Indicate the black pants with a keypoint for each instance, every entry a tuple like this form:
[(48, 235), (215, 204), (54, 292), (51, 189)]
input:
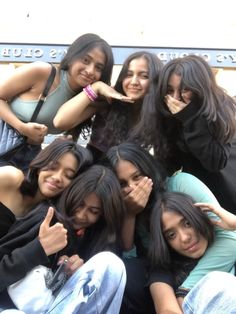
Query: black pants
[(137, 298)]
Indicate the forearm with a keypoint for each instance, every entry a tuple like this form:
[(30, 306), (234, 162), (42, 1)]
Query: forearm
[(164, 299), (128, 230), (73, 112)]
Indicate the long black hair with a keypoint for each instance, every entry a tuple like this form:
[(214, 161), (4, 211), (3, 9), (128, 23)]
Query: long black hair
[(77, 50), (160, 252), (48, 156), (118, 121), (163, 129), (147, 166), (105, 233)]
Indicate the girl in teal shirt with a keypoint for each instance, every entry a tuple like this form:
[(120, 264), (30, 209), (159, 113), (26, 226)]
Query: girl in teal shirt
[(142, 179)]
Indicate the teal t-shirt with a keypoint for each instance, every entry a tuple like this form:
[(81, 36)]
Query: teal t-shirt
[(221, 255)]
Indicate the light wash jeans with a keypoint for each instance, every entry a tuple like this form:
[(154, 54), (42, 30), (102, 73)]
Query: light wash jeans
[(96, 288), (213, 294)]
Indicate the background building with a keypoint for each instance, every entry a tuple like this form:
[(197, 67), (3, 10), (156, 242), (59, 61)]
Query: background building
[(30, 28)]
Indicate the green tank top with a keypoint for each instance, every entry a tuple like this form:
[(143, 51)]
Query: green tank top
[(24, 109)]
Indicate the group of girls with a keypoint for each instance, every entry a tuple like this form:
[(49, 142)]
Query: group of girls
[(115, 195)]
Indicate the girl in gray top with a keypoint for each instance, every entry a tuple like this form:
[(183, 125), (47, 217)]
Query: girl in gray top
[(88, 59)]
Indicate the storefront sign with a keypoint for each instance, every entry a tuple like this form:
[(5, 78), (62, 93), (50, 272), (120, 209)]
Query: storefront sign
[(54, 53)]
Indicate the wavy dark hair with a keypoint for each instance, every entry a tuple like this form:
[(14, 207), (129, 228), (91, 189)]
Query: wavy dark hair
[(147, 166), (49, 155), (212, 102), (160, 253), (118, 121), (78, 49), (105, 233)]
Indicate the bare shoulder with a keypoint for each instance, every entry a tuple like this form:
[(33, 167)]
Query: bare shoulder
[(26, 78), (37, 69), (10, 177)]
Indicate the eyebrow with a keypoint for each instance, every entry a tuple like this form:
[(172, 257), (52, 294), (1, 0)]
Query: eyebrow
[(168, 229)]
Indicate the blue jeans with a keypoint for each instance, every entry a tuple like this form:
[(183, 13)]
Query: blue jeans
[(95, 288), (213, 294)]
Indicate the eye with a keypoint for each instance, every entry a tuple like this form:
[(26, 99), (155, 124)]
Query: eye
[(129, 74), (169, 91), (69, 176), (123, 184), (185, 90), (137, 177), (187, 224), (170, 235), (99, 68), (144, 76), (95, 211), (85, 60)]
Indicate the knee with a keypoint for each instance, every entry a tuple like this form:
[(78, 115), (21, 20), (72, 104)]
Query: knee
[(219, 279), (111, 264)]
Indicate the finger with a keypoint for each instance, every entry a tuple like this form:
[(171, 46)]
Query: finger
[(46, 223), (38, 126), (206, 206), (77, 264), (62, 259)]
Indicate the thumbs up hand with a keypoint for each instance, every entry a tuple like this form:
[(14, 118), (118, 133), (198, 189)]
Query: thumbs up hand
[(52, 238)]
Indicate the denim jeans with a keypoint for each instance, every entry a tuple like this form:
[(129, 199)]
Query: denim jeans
[(213, 294), (95, 288)]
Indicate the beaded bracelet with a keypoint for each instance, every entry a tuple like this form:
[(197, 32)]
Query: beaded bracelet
[(90, 93)]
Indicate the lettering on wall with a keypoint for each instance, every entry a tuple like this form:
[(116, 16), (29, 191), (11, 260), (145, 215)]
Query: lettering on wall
[(55, 53)]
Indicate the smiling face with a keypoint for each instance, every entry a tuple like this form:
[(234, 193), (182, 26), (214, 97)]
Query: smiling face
[(181, 236), (128, 175), (57, 176), (87, 70), (136, 83), (88, 212)]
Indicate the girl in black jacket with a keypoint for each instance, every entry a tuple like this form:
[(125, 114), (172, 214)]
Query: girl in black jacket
[(87, 220)]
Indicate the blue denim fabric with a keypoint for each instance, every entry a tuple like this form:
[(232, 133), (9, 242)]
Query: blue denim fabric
[(213, 294), (97, 287)]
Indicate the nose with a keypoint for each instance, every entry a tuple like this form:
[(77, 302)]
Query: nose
[(134, 80), (127, 189), (177, 94), (81, 214), (57, 176), (184, 235), (90, 68)]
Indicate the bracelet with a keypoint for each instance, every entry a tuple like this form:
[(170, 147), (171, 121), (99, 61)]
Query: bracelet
[(90, 93), (181, 292)]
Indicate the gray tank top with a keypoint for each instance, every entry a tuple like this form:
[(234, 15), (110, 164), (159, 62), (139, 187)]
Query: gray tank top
[(24, 109)]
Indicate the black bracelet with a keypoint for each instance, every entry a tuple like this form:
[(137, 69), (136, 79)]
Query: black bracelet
[(181, 292)]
